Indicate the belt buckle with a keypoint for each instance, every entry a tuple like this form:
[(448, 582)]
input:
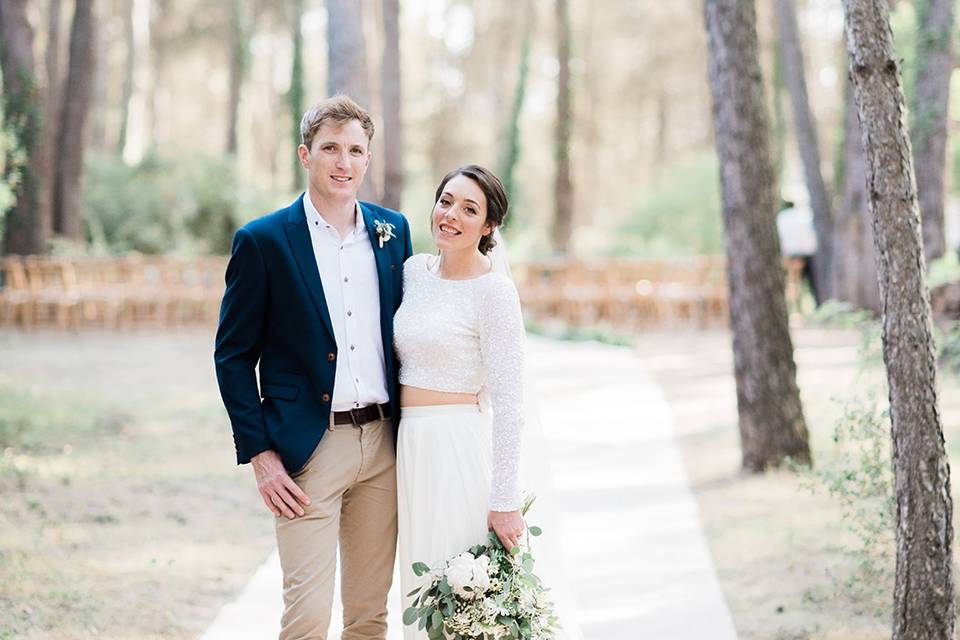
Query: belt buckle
[(353, 417)]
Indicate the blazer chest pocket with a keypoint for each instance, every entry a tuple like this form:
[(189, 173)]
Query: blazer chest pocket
[(280, 391)]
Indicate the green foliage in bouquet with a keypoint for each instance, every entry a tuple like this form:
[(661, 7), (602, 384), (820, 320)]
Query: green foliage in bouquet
[(484, 593)]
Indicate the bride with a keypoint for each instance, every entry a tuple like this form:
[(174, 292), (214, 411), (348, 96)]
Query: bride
[(459, 337)]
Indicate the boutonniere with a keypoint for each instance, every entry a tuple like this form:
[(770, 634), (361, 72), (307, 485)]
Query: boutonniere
[(384, 231)]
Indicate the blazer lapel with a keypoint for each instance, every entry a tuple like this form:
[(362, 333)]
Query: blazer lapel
[(298, 235), (382, 257)]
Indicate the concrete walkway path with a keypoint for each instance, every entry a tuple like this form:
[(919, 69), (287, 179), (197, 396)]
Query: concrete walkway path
[(635, 553)]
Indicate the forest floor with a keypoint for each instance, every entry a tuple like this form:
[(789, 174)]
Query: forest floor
[(789, 554), (125, 516)]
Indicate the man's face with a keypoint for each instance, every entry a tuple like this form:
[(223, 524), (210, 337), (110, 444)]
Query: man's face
[(337, 161)]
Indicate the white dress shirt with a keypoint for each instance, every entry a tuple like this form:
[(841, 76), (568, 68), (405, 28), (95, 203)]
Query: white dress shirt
[(348, 272)]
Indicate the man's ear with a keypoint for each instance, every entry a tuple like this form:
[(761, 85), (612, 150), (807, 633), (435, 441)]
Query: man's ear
[(304, 155)]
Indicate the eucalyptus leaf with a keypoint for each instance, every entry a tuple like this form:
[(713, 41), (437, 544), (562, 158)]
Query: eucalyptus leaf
[(420, 568), (410, 616)]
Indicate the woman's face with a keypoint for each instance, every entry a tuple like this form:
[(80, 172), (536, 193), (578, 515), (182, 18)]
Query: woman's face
[(460, 215)]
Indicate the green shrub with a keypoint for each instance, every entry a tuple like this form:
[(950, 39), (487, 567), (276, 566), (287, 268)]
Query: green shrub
[(677, 215), (168, 205)]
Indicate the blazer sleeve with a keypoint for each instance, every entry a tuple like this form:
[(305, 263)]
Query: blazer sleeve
[(239, 344)]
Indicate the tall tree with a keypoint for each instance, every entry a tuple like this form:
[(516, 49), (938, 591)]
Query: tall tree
[(136, 133), (23, 231), (563, 182), (391, 96), (52, 102), (347, 63), (241, 21), (772, 426), (924, 606), (295, 95), (510, 153), (854, 263), (68, 213), (129, 68), (928, 115), (806, 128)]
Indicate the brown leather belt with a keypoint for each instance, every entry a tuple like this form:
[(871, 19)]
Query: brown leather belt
[(362, 415)]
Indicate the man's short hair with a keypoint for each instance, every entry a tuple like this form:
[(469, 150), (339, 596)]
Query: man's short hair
[(340, 109)]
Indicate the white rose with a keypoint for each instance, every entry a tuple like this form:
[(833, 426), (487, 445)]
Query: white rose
[(460, 574)]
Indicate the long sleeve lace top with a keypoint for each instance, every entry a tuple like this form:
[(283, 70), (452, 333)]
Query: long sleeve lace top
[(463, 336)]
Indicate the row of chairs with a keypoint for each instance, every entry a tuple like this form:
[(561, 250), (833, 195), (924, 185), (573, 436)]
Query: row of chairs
[(632, 294), (114, 293), (626, 294)]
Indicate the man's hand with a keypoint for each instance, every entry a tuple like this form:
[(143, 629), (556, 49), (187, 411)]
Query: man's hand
[(508, 525), (280, 493)]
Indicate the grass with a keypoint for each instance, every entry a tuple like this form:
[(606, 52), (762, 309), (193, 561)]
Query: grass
[(124, 514)]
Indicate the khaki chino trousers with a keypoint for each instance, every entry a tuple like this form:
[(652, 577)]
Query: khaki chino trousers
[(351, 481)]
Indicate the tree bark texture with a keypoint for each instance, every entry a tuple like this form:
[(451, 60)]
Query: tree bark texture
[(772, 426), (563, 182), (924, 590), (854, 262), (391, 96), (68, 212), (23, 230), (347, 64), (807, 142), (928, 116)]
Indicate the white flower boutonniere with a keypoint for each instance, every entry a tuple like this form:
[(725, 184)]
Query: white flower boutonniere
[(384, 231)]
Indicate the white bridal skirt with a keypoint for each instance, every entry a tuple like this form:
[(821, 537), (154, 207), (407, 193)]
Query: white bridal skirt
[(443, 488), (444, 466)]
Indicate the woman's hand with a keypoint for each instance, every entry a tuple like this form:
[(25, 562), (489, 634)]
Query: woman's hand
[(509, 527)]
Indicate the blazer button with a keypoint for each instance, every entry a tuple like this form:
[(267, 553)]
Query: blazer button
[(331, 357), (325, 397)]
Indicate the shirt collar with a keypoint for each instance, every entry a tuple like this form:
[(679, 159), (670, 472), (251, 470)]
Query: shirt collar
[(313, 215)]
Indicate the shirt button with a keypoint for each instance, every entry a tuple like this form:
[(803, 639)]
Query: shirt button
[(356, 379), (325, 397), (352, 347), (331, 357), (349, 313), (346, 279)]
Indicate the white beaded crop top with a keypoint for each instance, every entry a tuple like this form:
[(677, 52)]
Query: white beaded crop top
[(462, 336)]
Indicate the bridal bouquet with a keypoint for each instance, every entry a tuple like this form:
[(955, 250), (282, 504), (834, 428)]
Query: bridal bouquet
[(484, 593)]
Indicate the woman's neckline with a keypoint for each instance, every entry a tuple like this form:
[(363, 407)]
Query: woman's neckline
[(426, 265)]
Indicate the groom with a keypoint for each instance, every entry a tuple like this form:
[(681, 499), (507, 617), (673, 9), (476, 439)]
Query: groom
[(311, 293)]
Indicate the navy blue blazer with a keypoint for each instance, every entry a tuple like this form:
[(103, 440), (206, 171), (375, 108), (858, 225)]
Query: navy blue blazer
[(274, 317)]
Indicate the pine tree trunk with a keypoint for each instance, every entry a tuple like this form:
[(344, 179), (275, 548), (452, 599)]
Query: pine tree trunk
[(391, 96), (510, 154), (347, 63), (854, 262), (68, 212), (772, 426), (928, 116), (129, 36), (295, 96), (924, 593), (807, 142), (23, 228), (238, 62), (563, 183)]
